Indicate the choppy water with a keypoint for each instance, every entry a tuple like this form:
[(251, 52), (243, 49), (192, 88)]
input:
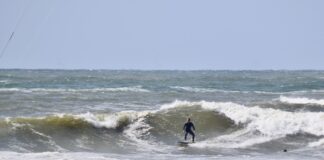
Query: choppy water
[(102, 114)]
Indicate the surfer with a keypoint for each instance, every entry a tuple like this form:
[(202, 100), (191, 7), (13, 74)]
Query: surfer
[(187, 128)]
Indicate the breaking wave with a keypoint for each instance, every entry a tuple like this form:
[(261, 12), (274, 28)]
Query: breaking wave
[(301, 100), (261, 125), (218, 124)]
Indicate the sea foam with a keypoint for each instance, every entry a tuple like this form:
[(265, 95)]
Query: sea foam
[(301, 100)]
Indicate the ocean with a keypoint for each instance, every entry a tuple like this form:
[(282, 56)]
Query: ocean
[(133, 114)]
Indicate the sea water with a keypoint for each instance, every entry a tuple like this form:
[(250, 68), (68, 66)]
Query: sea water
[(130, 114)]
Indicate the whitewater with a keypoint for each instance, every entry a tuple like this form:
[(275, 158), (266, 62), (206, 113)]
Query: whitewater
[(129, 114)]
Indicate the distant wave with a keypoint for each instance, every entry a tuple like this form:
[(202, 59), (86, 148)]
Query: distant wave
[(4, 81), (211, 90), (301, 100), (203, 90), (119, 89)]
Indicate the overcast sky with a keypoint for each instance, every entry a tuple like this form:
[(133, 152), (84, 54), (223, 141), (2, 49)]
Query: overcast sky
[(162, 34)]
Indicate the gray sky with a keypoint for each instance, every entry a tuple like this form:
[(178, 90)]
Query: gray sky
[(163, 34)]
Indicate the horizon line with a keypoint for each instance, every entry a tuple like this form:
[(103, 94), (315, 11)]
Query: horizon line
[(123, 69)]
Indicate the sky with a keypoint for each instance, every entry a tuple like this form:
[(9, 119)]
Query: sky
[(162, 34)]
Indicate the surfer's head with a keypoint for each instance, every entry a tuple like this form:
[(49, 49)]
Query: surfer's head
[(189, 120)]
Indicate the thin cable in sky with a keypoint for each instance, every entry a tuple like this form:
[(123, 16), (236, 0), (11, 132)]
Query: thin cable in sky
[(14, 29)]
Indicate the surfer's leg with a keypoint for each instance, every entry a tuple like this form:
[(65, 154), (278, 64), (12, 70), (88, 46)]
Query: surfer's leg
[(193, 136), (186, 136)]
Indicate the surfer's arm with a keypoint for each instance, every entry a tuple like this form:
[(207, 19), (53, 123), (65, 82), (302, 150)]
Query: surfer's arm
[(184, 126), (193, 127)]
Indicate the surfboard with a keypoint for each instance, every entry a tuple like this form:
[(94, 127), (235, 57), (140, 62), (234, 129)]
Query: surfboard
[(184, 143)]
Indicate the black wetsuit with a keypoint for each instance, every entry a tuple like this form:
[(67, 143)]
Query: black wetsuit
[(187, 127)]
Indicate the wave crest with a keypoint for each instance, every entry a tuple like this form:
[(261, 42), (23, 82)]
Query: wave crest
[(117, 89), (260, 124), (301, 100)]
